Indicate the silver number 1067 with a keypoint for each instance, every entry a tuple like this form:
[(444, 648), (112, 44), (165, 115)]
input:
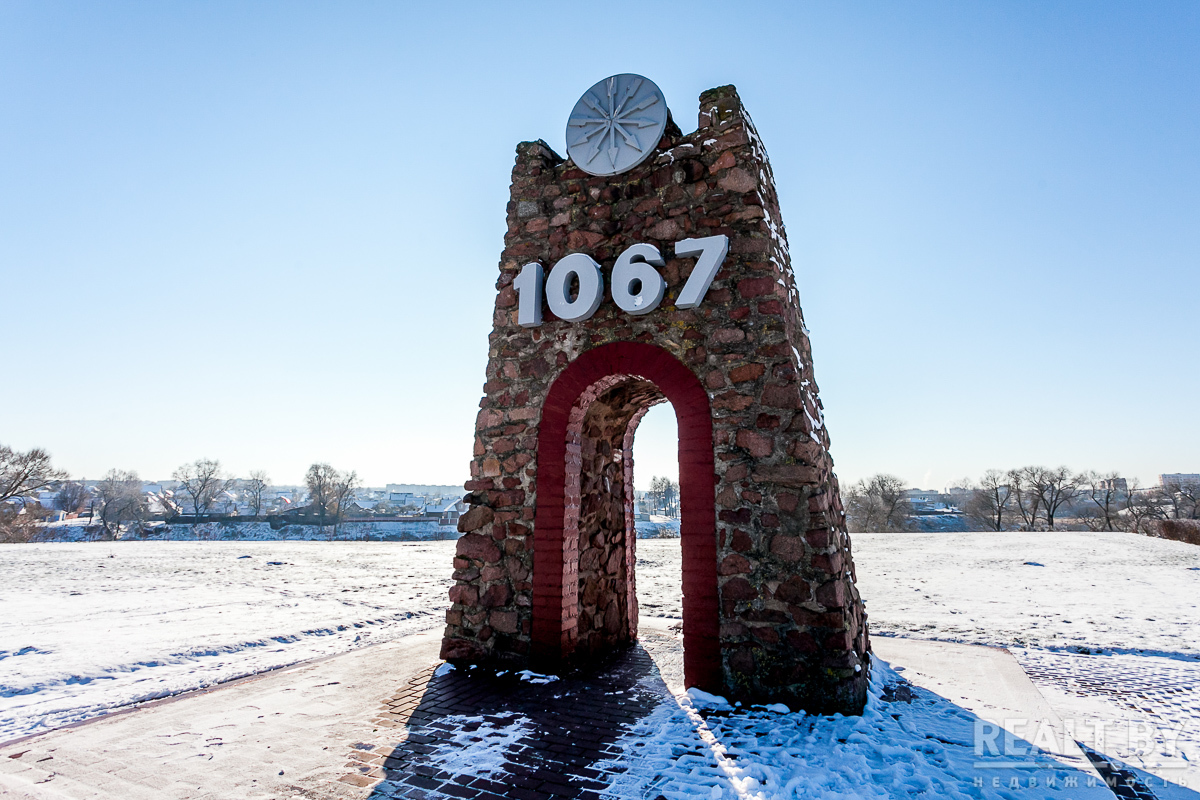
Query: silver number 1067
[(637, 287)]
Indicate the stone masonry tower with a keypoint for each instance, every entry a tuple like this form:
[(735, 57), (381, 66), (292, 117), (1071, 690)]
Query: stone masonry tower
[(545, 569)]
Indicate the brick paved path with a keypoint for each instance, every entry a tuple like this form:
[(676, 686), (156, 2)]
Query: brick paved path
[(477, 734)]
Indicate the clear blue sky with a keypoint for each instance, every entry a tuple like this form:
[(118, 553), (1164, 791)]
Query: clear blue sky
[(268, 232)]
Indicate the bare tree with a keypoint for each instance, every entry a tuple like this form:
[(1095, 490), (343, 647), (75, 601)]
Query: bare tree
[(862, 511), (253, 487), (22, 523), (321, 480), (877, 504), (1023, 483), (1105, 495), (343, 495), (202, 481), (1057, 488), (991, 500), (120, 501), (1181, 499), (71, 496), (664, 493), (25, 473), (1140, 508)]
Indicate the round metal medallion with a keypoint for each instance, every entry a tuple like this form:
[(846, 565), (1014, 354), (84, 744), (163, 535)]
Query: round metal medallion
[(616, 124)]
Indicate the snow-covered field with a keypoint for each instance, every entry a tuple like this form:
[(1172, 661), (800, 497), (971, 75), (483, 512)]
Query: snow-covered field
[(89, 627), (1103, 592), (1085, 592)]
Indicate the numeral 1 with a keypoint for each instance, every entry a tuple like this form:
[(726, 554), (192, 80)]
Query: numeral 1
[(529, 295)]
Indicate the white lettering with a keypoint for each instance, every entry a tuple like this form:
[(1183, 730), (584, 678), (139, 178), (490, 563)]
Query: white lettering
[(986, 734)]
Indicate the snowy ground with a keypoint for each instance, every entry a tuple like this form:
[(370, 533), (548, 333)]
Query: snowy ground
[(89, 627), (1108, 625)]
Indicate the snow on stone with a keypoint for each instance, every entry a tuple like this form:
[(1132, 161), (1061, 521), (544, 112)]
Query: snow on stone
[(1142, 712), (481, 746), (536, 677), (702, 699)]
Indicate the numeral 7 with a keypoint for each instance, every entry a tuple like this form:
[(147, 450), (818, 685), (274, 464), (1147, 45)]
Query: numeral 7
[(711, 251)]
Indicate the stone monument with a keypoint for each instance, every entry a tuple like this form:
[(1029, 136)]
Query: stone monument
[(652, 266)]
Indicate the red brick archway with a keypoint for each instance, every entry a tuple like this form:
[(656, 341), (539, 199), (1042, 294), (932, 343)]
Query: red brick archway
[(555, 559)]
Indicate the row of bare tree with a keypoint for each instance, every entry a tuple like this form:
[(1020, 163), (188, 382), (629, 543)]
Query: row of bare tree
[(1036, 498), (119, 501), (1031, 498), (663, 497)]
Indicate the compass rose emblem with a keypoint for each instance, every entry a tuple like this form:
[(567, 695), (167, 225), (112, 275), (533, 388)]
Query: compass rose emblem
[(616, 124)]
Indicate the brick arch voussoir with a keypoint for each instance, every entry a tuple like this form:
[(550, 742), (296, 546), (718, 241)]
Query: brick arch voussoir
[(552, 599)]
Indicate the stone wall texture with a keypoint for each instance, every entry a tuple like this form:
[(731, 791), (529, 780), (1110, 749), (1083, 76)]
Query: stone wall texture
[(544, 571)]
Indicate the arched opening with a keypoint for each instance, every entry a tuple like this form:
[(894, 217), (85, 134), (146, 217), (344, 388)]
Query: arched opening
[(656, 489), (584, 599)]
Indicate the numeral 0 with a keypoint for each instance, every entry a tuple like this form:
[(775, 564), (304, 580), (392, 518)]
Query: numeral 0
[(637, 287)]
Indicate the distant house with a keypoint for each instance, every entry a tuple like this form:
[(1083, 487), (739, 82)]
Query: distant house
[(932, 502), (226, 502), (20, 502), (279, 500), (640, 511), (921, 496), (446, 511), (162, 503), (403, 499)]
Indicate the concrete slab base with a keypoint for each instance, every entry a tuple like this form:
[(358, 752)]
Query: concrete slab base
[(988, 682)]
